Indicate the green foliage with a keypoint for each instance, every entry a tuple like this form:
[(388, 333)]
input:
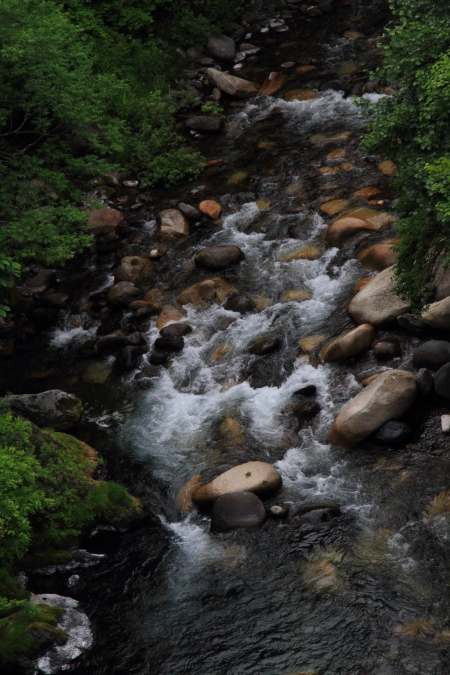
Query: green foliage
[(413, 126), (212, 108), (9, 270)]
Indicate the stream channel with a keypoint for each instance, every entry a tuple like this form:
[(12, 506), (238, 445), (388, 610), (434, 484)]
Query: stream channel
[(363, 590)]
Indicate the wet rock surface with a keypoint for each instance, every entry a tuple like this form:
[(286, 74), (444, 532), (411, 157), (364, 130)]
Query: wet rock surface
[(52, 408), (236, 510)]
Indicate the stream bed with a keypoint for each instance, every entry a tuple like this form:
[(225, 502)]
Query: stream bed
[(364, 588)]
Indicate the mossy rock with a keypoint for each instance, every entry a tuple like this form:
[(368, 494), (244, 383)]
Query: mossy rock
[(49, 614), (42, 634), (48, 557)]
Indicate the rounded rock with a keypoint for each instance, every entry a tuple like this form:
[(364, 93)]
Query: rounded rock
[(265, 345), (393, 432), (377, 303), (257, 477), (122, 294), (210, 208), (133, 269), (387, 349), (237, 510), (354, 342), (219, 257), (432, 354), (442, 381)]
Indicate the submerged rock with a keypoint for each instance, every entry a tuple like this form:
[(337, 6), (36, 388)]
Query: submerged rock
[(257, 477), (387, 397), (240, 303), (378, 257), (442, 381), (53, 408), (219, 257), (265, 345), (203, 123), (235, 510), (432, 354), (232, 85), (205, 292), (352, 343), (377, 302), (272, 84), (387, 349), (175, 330)]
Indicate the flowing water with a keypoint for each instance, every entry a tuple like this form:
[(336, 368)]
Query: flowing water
[(357, 592)]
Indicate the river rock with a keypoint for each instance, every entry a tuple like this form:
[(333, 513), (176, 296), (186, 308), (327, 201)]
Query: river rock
[(306, 411), (104, 220), (158, 358), (393, 432), (388, 397), (122, 294), (110, 344), (377, 302), (232, 85), (308, 390), (240, 303), (412, 324), (378, 257), (210, 208), (134, 269), (279, 510), (442, 381), (265, 345), (189, 211), (387, 349), (257, 477), (355, 341), (438, 315), (55, 299), (128, 358), (219, 257), (173, 225), (39, 283), (169, 343), (203, 123), (221, 46), (205, 292), (236, 510), (175, 330), (167, 315), (339, 232), (425, 381), (273, 84), (432, 354), (53, 408)]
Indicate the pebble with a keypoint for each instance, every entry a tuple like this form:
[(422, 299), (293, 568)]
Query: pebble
[(130, 183), (445, 424)]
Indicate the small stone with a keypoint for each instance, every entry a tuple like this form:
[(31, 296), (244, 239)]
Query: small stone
[(387, 349), (445, 424), (104, 220), (309, 390), (219, 257), (173, 225), (334, 206), (272, 84), (203, 123), (301, 95), (169, 343), (379, 256), (221, 46), (306, 411), (122, 294), (237, 177), (239, 303), (232, 85), (387, 167), (279, 510), (134, 269), (425, 381), (158, 358), (175, 330), (156, 253), (299, 295)]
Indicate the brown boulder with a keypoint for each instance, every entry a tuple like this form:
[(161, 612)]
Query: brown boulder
[(210, 208), (104, 220), (378, 257), (339, 232), (257, 477), (273, 84), (133, 269), (218, 257), (168, 314), (174, 225), (232, 85), (355, 341)]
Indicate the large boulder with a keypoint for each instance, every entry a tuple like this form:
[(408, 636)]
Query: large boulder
[(377, 302), (442, 381), (122, 294), (221, 46), (174, 225), (205, 292), (387, 397), (232, 85), (236, 510), (53, 408), (257, 477), (432, 354), (218, 257), (104, 220), (355, 341), (438, 315), (40, 283), (134, 269)]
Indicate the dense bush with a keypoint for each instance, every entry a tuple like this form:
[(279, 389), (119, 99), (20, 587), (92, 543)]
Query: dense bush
[(84, 90), (414, 127)]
